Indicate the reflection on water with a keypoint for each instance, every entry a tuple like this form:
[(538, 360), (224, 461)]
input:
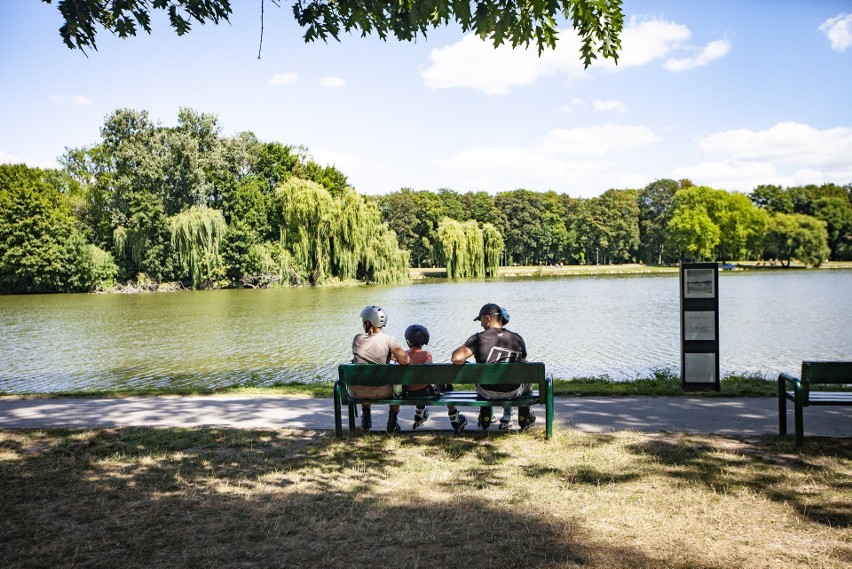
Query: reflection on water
[(580, 326)]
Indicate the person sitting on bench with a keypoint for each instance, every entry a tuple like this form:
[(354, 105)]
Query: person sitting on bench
[(375, 347), (493, 345)]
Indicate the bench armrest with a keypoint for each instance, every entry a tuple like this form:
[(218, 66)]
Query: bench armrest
[(785, 378), (800, 390)]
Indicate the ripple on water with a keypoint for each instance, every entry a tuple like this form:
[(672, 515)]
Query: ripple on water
[(621, 327)]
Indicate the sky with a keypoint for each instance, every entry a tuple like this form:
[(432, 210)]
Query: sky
[(730, 94)]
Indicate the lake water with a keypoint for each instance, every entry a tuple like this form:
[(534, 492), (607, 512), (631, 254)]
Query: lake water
[(579, 326)]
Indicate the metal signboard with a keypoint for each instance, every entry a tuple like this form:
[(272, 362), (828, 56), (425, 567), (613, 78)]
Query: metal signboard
[(699, 327)]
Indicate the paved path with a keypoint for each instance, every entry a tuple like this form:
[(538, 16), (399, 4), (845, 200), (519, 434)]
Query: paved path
[(588, 414)]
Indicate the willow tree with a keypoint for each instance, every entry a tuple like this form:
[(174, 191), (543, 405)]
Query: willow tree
[(305, 211), (492, 242), (197, 234), (350, 234), (475, 249), (336, 237), (384, 261), (461, 248)]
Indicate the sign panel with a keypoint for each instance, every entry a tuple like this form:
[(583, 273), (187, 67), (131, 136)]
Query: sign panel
[(699, 326)]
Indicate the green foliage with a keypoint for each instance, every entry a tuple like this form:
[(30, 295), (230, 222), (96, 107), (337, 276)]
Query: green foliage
[(40, 242), (656, 202), (196, 236), (492, 243), (598, 23), (836, 213), (97, 268), (708, 223), (829, 202), (143, 244), (692, 232), (83, 17), (340, 237), (609, 226), (797, 236)]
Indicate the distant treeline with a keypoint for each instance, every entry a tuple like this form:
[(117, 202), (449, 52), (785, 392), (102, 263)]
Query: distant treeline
[(184, 205), (662, 223)]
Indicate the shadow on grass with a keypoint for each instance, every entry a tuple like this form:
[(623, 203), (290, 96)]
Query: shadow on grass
[(228, 498), (808, 480)]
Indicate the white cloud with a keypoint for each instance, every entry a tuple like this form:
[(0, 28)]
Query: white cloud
[(597, 140), (475, 64), (839, 31), (603, 106), (579, 161), (332, 82), (785, 142), (76, 100), (343, 161), (283, 79), (575, 103), (786, 154), (644, 41), (6, 158), (712, 51)]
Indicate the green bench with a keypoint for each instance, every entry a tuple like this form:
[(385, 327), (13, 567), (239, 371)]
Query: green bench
[(813, 373), (391, 374)]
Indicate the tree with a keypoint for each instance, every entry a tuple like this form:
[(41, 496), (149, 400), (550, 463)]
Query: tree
[(608, 226), (692, 233), (597, 22), (796, 236), (462, 248), (492, 243), (41, 247), (836, 212), (739, 223), (655, 202), (772, 198), (520, 212), (197, 235)]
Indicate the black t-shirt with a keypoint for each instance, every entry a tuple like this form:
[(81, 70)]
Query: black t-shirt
[(495, 345)]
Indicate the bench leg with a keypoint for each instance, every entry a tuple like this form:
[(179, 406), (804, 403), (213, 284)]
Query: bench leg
[(338, 412), (782, 407), (548, 412), (800, 424), (352, 413)]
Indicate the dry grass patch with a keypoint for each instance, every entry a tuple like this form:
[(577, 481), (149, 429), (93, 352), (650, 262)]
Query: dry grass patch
[(258, 498)]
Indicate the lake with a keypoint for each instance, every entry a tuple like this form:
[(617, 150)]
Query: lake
[(621, 326)]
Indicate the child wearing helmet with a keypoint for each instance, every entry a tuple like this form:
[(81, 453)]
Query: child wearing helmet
[(373, 346), (417, 336)]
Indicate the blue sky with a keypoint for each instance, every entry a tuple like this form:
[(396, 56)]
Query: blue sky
[(729, 94)]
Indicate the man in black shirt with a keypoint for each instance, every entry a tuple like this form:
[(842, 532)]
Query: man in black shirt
[(496, 344)]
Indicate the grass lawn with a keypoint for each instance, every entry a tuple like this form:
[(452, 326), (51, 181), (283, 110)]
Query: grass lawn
[(255, 498), (658, 383)]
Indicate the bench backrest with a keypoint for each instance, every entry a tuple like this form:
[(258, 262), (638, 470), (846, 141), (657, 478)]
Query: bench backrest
[(384, 374), (826, 372)]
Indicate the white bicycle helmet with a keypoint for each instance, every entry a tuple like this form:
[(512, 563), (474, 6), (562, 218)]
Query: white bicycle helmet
[(375, 315)]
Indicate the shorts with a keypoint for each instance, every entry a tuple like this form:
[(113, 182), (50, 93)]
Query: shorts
[(489, 395), (370, 391)]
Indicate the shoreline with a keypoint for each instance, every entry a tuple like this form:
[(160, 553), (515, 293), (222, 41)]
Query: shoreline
[(418, 274)]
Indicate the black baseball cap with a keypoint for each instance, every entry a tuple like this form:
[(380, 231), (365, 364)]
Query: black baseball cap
[(489, 308)]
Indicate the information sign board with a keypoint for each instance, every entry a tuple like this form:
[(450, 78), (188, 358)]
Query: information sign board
[(699, 326)]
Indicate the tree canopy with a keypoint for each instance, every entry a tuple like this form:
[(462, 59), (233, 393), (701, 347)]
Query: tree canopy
[(598, 23)]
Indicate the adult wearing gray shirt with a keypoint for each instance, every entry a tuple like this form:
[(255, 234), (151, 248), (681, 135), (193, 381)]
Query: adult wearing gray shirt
[(373, 346)]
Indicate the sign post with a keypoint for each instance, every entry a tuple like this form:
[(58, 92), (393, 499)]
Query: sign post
[(699, 327)]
